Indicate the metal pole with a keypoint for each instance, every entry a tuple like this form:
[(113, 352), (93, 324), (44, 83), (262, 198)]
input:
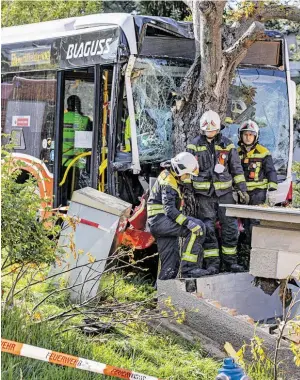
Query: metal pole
[(97, 138), (59, 121), (104, 126), (136, 167), (112, 128)]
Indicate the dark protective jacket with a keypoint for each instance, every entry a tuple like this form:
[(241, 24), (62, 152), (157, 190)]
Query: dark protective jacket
[(166, 198), (220, 151), (258, 168)]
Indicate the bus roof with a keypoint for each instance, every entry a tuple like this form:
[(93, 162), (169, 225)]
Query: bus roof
[(131, 25), (145, 36), (72, 26)]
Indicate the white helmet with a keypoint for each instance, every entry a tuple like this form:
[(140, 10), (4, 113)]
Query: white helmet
[(210, 121), (250, 126), (184, 163)]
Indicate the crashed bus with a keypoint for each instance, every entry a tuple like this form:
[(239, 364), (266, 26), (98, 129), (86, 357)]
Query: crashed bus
[(125, 68)]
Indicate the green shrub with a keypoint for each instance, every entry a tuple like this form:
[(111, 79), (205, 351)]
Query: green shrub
[(24, 238), (296, 185)]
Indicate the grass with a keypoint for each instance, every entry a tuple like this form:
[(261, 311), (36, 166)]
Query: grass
[(133, 347)]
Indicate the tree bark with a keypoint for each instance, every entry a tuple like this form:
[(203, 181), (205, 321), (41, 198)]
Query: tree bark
[(200, 81), (274, 10), (207, 82)]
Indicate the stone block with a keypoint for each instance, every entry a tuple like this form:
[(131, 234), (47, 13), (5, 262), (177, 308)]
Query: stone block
[(276, 238), (288, 262), (263, 262), (275, 252)]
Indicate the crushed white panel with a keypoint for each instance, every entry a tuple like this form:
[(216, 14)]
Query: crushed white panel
[(100, 216)]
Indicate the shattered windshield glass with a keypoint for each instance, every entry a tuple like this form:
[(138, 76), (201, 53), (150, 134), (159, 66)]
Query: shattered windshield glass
[(261, 95), (153, 82)]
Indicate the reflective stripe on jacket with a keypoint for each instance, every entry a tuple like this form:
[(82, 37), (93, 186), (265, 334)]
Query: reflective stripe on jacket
[(258, 168), (165, 198), (220, 151), (72, 122)]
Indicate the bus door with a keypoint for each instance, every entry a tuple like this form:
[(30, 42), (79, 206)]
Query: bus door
[(82, 114)]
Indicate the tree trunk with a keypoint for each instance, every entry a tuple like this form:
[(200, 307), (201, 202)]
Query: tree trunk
[(201, 99), (202, 89), (207, 82)]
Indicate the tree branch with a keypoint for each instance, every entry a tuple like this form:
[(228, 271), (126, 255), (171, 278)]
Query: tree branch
[(240, 47), (262, 11), (274, 10)]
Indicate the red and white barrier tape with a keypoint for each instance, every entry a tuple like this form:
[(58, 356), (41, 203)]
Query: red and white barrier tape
[(93, 224), (54, 357)]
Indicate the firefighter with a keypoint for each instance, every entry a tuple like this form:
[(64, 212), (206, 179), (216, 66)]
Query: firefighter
[(167, 223), (220, 169), (258, 168)]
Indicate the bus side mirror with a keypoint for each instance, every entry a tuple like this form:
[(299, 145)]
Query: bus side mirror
[(292, 96)]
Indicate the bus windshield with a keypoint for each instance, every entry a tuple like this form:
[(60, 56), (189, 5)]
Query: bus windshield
[(261, 95), (154, 81), (257, 94)]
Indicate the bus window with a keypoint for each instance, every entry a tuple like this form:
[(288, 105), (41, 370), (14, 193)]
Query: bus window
[(28, 114), (261, 95)]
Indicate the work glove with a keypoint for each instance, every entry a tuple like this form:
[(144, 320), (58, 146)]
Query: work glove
[(235, 196), (243, 197), (271, 197), (194, 228)]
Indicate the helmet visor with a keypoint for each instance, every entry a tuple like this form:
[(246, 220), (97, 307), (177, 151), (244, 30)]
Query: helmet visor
[(249, 130), (209, 126), (251, 127)]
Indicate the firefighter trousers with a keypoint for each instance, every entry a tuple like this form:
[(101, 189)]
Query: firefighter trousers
[(167, 234), (209, 211)]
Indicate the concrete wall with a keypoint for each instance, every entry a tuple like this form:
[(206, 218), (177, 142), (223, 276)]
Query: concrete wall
[(219, 325), (237, 291), (275, 252)]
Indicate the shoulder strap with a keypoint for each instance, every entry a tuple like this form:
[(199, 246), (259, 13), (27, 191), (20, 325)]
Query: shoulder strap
[(166, 179)]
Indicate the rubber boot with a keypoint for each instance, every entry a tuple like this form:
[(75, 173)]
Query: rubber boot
[(236, 268), (212, 265), (196, 273), (231, 265), (212, 270)]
